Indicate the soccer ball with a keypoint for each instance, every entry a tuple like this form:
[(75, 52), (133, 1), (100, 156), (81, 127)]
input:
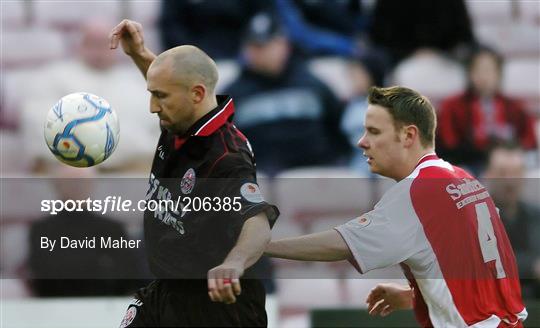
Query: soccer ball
[(82, 129)]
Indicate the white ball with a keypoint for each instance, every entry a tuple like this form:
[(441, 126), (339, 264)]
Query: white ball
[(82, 129)]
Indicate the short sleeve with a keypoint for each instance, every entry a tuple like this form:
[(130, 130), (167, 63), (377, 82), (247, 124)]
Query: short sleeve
[(386, 236), (237, 181)]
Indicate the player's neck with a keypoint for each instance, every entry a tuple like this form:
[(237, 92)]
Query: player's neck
[(412, 162), (205, 107)]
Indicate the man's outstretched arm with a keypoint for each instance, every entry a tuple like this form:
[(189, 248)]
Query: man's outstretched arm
[(129, 34), (224, 280), (321, 246)]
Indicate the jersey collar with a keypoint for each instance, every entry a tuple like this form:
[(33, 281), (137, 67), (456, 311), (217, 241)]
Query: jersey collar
[(210, 122), (426, 158)]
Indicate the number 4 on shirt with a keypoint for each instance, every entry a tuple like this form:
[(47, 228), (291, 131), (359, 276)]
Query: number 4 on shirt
[(487, 238)]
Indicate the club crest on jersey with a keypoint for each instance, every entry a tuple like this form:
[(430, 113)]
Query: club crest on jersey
[(129, 317), (188, 181), (363, 221), (251, 192)]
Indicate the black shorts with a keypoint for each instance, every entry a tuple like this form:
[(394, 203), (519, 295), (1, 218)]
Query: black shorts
[(185, 303)]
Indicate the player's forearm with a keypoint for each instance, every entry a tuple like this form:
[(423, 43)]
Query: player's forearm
[(143, 60), (252, 241), (322, 246)]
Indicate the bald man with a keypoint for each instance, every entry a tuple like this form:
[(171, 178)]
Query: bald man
[(198, 253)]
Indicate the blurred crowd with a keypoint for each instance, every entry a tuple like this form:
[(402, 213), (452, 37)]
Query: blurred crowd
[(299, 72)]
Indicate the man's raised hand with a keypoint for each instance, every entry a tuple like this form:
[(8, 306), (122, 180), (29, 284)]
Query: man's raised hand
[(130, 35)]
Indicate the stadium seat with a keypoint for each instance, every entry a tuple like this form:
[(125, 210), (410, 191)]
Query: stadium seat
[(14, 14), (69, 15), (11, 156), (306, 195), (308, 293), (64, 312), (13, 81), (298, 320), (503, 11), (13, 289), (530, 11), (531, 186), (482, 12), (145, 12), (430, 74), (516, 39), (13, 246), (33, 46), (521, 77), (334, 72)]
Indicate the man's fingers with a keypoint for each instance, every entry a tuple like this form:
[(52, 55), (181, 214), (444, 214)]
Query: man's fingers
[(375, 294), (216, 296), (211, 281), (212, 288), (126, 26), (138, 26), (236, 286), (372, 306), (113, 41), (226, 291), (135, 33), (374, 297), (386, 311), (224, 284), (377, 308), (227, 294), (116, 33)]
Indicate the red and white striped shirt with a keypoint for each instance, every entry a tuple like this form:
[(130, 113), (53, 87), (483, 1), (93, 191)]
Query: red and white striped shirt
[(441, 225)]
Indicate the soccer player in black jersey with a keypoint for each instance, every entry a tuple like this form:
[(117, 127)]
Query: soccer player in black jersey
[(198, 251)]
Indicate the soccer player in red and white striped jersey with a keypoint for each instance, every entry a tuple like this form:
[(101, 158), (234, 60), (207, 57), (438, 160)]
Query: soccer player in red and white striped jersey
[(438, 222)]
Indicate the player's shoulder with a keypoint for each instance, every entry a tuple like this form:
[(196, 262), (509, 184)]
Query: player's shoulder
[(236, 157), (233, 165), (432, 179)]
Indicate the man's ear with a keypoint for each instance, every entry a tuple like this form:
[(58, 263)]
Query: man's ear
[(411, 135), (198, 92)]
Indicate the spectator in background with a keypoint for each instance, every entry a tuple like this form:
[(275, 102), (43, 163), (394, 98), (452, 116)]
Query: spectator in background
[(481, 116), (403, 27), (319, 27), (95, 69), (366, 71), (505, 178), (80, 271), (213, 26), (281, 106), (316, 27)]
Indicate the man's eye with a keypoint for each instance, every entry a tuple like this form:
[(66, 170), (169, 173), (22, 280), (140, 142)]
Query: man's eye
[(371, 131)]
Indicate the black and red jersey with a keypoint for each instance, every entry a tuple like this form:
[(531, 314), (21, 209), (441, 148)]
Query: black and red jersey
[(209, 176)]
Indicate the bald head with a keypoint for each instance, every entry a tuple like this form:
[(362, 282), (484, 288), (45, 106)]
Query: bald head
[(189, 66)]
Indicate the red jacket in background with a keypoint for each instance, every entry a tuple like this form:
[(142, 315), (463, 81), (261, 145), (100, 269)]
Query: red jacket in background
[(462, 134)]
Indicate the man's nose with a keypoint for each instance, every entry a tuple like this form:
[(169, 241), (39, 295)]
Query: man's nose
[(154, 106), (363, 143)]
